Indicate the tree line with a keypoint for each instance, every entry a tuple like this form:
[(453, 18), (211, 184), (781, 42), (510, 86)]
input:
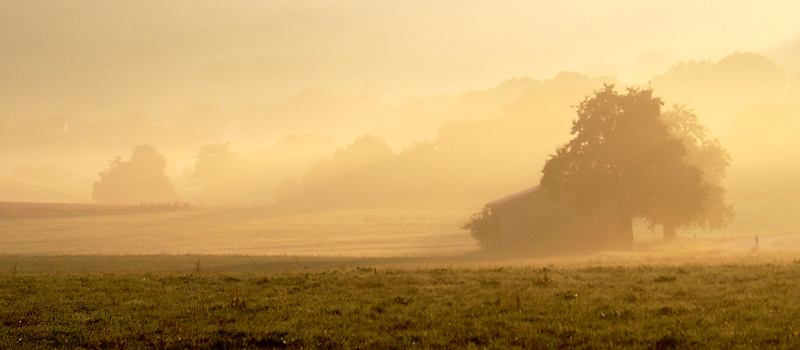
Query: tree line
[(479, 159)]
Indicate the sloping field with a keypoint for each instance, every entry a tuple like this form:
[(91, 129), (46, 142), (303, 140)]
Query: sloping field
[(253, 231), (382, 232), (18, 191)]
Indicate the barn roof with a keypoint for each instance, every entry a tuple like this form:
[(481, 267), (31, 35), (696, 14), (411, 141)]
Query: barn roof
[(512, 197)]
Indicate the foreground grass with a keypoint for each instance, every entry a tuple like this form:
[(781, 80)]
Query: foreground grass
[(687, 306)]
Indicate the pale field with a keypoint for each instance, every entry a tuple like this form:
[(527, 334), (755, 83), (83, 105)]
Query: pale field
[(254, 239), (381, 232)]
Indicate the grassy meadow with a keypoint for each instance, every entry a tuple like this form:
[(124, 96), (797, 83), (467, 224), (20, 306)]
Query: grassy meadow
[(736, 302), (377, 278)]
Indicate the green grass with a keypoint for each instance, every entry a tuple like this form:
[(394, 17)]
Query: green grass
[(689, 305), (216, 279)]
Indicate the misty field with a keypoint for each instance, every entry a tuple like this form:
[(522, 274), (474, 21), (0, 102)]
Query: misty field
[(381, 231), (388, 231), (741, 302), (401, 277)]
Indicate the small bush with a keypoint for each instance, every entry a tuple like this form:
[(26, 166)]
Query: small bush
[(483, 227)]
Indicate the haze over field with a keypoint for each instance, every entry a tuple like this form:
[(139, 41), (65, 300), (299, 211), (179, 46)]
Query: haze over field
[(361, 103)]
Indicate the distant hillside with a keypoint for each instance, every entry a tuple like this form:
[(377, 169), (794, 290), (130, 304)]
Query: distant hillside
[(16, 191)]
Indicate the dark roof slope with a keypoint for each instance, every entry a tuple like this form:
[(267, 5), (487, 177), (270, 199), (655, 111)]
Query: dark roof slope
[(512, 197)]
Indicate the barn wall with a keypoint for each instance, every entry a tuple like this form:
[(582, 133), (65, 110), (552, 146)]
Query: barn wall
[(532, 223)]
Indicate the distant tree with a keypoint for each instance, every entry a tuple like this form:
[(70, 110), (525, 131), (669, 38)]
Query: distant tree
[(216, 163), (725, 87), (625, 155), (220, 173), (708, 155), (365, 151), (138, 180), (351, 175)]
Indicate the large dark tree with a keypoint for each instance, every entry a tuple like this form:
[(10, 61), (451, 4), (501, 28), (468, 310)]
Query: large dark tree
[(626, 158), (136, 181)]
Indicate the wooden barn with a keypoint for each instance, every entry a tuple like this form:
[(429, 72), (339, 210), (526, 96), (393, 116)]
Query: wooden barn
[(529, 222)]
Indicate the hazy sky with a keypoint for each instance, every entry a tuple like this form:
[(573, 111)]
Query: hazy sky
[(99, 59)]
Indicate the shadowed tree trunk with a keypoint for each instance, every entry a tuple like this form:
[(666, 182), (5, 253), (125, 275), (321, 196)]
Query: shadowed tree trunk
[(669, 231)]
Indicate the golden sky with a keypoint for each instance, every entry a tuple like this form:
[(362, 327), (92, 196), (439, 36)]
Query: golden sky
[(98, 59)]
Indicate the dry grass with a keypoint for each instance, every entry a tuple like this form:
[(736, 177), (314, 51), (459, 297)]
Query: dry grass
[(250, 231)]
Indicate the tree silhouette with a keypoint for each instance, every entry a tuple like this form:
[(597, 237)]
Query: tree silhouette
[(625, 156), (220, 173), (363, 152), (216, 164), (138, 180), (706, 154)]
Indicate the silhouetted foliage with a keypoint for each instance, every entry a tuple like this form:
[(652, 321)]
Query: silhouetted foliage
[(336, 179), (623, 153), (220, 173), (708, 155), (215, 162), (717, 90), (138, 180), (483, 227)]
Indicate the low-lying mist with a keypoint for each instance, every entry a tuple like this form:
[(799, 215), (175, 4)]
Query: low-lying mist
[(324, 149)]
